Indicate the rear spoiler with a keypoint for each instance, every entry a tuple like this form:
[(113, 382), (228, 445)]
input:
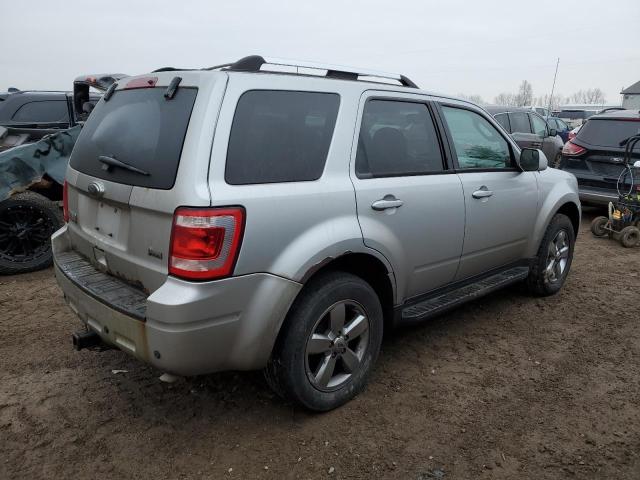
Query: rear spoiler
[(83, 101)]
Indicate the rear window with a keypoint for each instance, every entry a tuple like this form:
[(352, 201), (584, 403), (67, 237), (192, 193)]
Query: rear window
[(280, 136), (608, 133), (139, 128)]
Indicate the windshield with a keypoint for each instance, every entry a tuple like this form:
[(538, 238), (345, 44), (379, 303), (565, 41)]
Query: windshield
[(575, 114)]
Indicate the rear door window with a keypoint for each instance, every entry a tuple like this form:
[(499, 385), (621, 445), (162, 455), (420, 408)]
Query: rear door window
[(45, 111), (608, 133), (280, 136), (397, 138), (140, 128), (520, 123)]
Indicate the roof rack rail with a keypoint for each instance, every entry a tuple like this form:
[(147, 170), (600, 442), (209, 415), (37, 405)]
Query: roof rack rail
[(254, 63)]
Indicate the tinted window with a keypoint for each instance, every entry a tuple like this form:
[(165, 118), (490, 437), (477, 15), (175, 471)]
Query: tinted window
[(561, 125), (478, 144), (48, 111), (520, 123), (138, 127), (397, 138), (503, 120), (280, 136), (575, 114), (539, 125), (608, 133)]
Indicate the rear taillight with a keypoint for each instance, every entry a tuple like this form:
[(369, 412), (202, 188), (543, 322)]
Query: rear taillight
[(570, 149), (65, 202), (205, 242)]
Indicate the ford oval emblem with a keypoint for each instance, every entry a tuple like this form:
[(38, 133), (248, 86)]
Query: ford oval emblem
[(96, 189)]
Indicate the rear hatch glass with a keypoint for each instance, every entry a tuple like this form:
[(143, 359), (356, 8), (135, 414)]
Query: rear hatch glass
[(139, 128), (608, 133)]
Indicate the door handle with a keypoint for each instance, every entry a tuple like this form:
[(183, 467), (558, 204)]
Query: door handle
[(483, 192), (536, 144), (387, 202)]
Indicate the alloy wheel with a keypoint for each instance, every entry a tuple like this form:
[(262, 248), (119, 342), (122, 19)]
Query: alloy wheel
[(337, 345), (557, 257)]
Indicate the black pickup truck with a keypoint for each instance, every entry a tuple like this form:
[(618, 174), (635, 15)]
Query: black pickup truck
[(37, 132), (27, 116)]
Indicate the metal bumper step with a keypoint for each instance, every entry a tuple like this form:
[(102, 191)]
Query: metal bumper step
[(452, 298), (111, 291)]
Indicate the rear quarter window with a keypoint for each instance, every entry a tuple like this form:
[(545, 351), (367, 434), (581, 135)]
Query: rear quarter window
[(140, 128), (280, 136)]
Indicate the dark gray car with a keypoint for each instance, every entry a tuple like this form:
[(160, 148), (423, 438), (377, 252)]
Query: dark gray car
[(529, 130)]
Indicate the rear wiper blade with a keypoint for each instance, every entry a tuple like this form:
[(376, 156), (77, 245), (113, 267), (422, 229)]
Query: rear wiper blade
[(110, 162), (626, 140)]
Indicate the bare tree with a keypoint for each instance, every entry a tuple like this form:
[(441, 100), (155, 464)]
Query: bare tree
[(525, 94), (472, 98), (505, 99), (590, 96)]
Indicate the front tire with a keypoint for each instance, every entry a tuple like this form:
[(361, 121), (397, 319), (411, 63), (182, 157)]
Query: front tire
[(328, 344), (27, 221), (551, 265), (598, 226)]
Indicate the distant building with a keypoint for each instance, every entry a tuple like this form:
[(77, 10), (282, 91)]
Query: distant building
[(631, 97)]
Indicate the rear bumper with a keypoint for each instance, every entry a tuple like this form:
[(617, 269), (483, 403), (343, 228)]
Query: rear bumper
[(186, 328), (597, 196)]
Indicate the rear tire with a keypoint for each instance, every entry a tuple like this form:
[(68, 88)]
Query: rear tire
[(328, 343), (630, 237), (552, 263), (27, 221), (597, 226)]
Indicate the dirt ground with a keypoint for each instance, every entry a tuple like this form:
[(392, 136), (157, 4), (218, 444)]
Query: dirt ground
[(507, 387)]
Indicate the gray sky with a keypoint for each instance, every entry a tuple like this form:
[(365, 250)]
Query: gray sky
[(471, 47)]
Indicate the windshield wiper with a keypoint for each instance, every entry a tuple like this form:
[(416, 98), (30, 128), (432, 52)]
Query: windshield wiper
[(110, 162)]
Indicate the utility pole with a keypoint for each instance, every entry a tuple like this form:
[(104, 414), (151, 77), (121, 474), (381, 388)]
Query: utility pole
[(554, 84)]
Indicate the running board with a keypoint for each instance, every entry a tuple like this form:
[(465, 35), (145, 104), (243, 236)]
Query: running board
[(447, 300)]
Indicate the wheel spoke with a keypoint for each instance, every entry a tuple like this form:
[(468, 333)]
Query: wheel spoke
[(350, 360), (557, 270), (318, 344), (549, 270), (356, 327), (325, 371), (337, 316), (561, 239), (564, 252)]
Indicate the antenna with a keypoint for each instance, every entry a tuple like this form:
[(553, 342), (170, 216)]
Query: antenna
[(554, 86)]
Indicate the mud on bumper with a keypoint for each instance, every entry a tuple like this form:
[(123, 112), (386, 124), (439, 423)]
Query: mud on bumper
[(186, 328)]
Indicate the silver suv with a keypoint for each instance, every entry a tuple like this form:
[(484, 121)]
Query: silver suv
[(278, 216)]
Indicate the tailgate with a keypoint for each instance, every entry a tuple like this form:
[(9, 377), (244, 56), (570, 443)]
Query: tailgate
[(139, 156)]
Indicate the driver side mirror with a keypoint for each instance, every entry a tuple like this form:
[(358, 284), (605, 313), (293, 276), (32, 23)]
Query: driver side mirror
[(553, 132), (532, 160)]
